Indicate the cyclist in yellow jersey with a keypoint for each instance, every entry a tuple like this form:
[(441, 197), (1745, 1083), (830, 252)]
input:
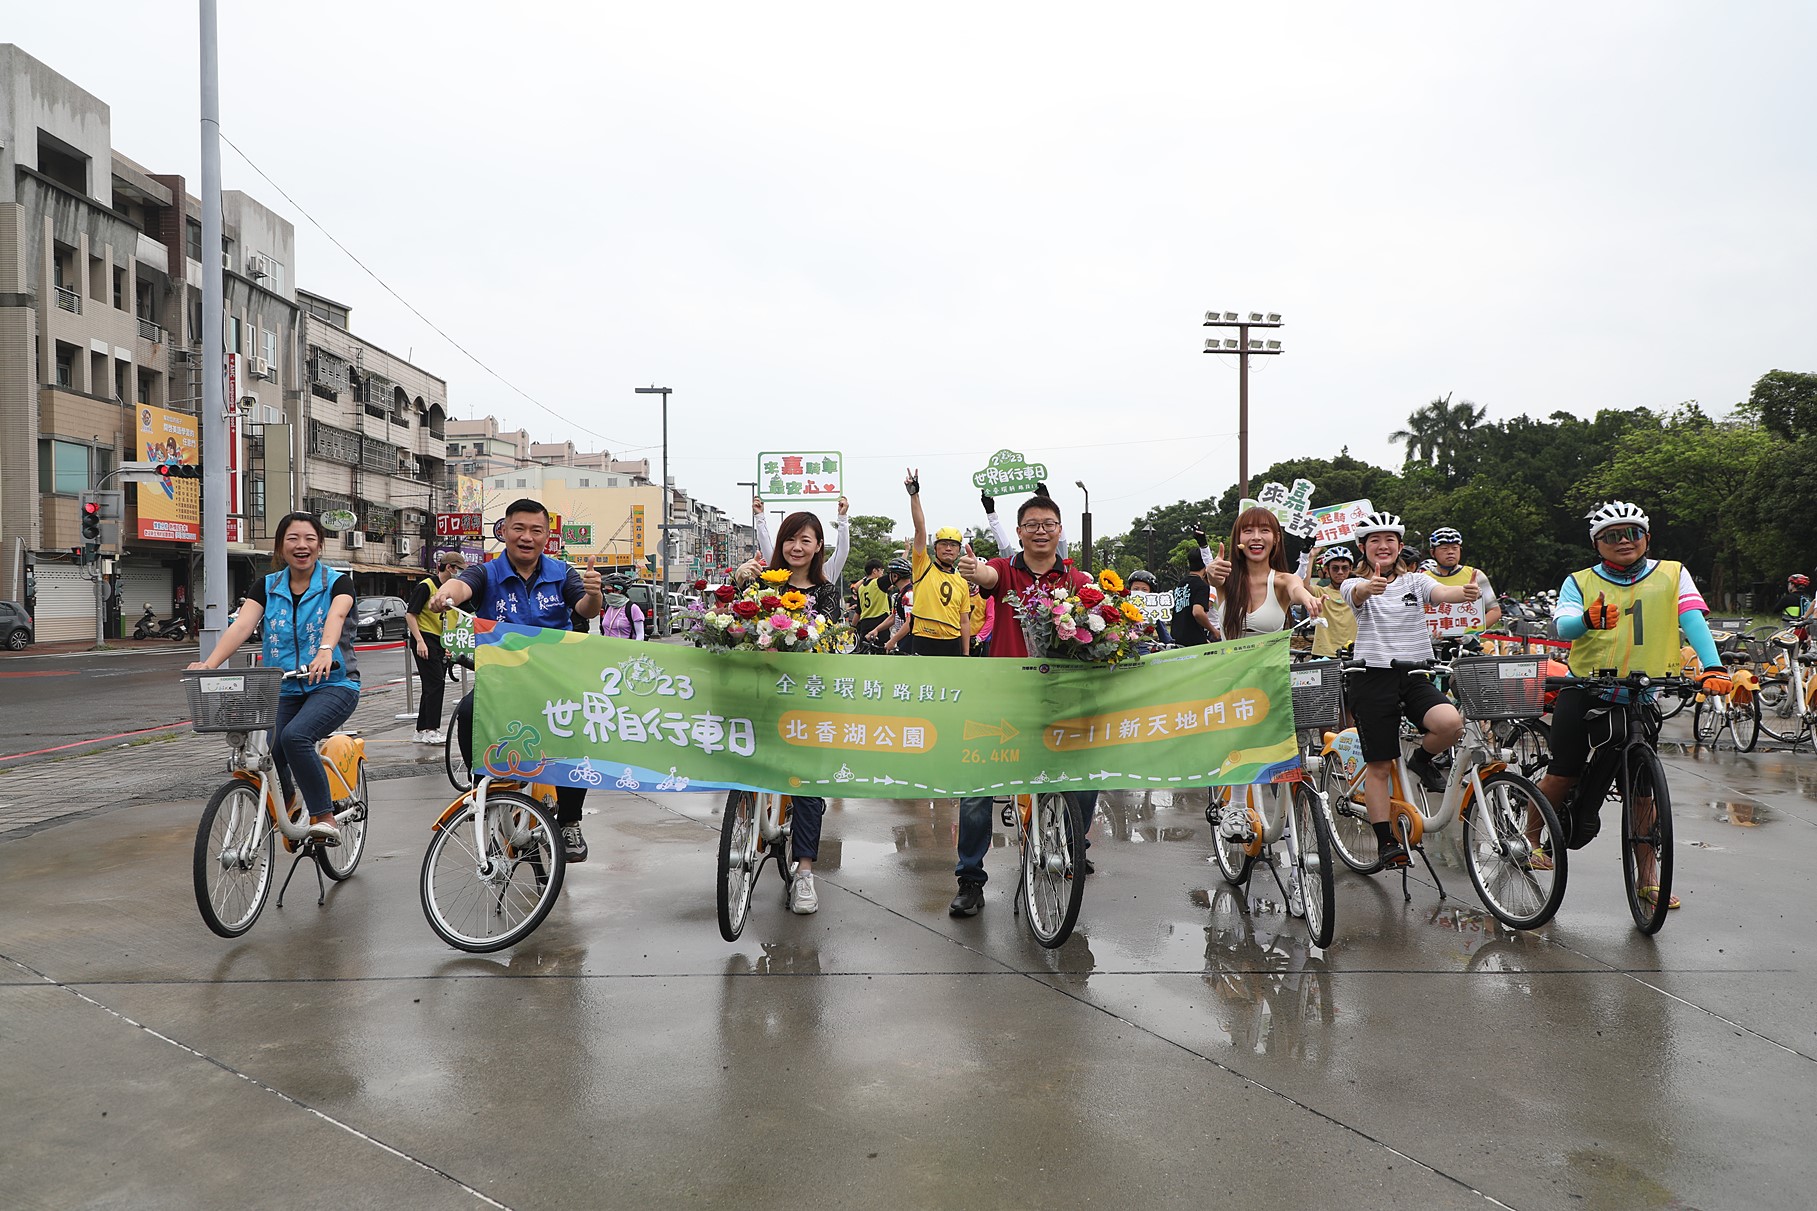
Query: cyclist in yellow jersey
[(873, 598), (941, 623), (426, 627), (1625, 613), (1447, 555)]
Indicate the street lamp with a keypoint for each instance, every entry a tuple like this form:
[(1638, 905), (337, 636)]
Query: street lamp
[(752, 485), (1084, 527), (1244, 348), (664, 527)]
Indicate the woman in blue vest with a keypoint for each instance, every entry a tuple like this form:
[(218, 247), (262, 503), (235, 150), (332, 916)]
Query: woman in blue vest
[(304, 604)]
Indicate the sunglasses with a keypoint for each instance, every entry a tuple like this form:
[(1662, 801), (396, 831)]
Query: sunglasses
[(1622, 534)]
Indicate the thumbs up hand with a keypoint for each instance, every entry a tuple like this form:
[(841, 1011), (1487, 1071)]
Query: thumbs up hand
[(1601, 615), (1472, 591), (1219, 568), (968, 563), (1375, 585)]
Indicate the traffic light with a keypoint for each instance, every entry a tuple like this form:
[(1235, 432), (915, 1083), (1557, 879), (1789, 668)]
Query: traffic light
[(91, 528), (172, 471)]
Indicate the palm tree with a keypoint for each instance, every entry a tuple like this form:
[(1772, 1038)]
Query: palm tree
[(1440, 435)]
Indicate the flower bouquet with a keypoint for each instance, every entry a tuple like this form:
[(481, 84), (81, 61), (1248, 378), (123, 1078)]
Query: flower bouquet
[(1094, 623), (767, 617)]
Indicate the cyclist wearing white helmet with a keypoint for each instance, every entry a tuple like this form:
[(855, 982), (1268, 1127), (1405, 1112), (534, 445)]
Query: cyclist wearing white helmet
[(1447, 546), (1631, 624), (1390, 607), (1339, 631)]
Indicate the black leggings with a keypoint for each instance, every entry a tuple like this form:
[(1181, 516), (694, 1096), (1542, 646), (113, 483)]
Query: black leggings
[(568, 799), (430, 671)]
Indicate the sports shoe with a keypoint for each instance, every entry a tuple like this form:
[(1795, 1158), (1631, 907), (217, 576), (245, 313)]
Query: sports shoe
[(1393, 855), (803, 899), (1427, 769), (323, 832), (574, 843), (970, 900), (1233, 825), (1586, 822), (432, 737)]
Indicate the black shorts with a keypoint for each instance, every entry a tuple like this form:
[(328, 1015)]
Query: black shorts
[(1377, 697), (1573, 735), (926, 645)]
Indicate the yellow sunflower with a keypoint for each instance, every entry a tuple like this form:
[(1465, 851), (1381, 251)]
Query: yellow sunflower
[(1132, 611), (793, 600), (776, 575), (1109, 581)]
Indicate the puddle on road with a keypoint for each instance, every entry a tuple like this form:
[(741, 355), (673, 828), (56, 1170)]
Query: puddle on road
[(1742, 813)]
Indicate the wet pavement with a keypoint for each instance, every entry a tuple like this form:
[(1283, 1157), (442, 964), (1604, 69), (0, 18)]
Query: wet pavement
[(1186, 1047)]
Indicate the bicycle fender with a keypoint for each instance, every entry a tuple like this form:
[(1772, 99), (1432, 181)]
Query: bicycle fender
[(448, 812)]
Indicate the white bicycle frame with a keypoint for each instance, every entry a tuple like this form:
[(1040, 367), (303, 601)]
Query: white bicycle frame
[(252, 755), (1474, 751)]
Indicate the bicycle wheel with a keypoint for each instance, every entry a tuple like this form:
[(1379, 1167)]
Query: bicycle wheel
[(1053, 868), (486, 901), (1744, 723), (235, 847), (738, 862), (1528, 740), (1646, 852), (459, 776), (1706, 723), (1347, 823), (338, 861), (1780, 716), (1234, 858), (1499, 847), (1670, 704), (1312, 859)]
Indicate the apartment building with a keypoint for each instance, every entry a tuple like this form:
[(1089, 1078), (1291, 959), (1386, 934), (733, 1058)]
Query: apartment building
[(100, 338), (374, 443)]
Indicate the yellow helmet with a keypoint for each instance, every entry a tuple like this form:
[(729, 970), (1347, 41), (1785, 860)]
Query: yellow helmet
[(948, 534)]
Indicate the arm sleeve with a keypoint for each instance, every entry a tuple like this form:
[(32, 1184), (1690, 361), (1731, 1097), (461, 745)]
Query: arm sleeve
[(1060, 546), (343, 587), (474, 577), (998, 532), (1568, 613), (637, 622), (419, 598), (572, 591), (761, 523), (842, 547), (256, 592), (1696, 630)]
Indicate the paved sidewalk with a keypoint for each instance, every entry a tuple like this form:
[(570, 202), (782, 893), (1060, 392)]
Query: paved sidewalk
[(182, 765)]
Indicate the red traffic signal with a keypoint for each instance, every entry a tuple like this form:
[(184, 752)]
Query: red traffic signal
[(179, 471)]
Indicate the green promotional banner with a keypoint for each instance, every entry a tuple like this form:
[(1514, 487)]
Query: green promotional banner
[(585, 710)]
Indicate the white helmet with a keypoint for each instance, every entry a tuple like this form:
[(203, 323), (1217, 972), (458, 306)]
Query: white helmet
[(1378, 523), (1616, 513), (1444, 534)]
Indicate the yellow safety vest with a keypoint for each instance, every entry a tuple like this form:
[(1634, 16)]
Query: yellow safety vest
[(1645, 638), (428, 622), (873, 602), (940, 597)]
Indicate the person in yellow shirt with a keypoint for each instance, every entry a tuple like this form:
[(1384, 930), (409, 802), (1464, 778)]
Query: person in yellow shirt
[(1339, 631), (426, 627), (942, 620)]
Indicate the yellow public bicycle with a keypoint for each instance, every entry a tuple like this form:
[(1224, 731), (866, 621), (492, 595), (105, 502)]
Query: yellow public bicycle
[(237, 839)]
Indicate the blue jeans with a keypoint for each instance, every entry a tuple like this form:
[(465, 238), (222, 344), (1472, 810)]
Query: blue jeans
[(975, 824), (304, 719)]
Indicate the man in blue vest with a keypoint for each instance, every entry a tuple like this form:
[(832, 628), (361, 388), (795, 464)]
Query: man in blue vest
[(527, 587)]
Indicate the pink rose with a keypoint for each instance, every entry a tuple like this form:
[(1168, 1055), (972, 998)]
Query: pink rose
[(781, 621), (1059, 609)]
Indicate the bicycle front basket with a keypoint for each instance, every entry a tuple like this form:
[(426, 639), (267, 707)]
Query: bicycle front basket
[(1500, 687), (236, 700), (1318, 696)]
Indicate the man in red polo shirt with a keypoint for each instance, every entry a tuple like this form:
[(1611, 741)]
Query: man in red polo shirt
[(1038, 528)]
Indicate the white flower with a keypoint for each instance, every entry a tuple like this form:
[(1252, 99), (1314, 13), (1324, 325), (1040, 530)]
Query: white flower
[(1095, 623), (763, 640), (1059, 594), (813, 633)]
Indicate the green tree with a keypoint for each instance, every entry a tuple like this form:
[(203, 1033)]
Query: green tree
[(1785, 401), (1442, 435), (871, 539)]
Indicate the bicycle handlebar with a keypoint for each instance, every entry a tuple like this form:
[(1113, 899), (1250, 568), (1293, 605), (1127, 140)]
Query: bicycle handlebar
[(1608, 679)]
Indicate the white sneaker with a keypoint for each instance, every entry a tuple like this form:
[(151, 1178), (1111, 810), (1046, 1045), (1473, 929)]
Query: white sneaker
[(325, 832), (803, 900), (431, 737), (1233, 825)]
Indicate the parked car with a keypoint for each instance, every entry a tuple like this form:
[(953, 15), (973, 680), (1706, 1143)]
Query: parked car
[(15, 626), (380, 618)]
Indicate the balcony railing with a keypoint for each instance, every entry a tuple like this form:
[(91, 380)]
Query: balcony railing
[(150, 331), (69, 300)]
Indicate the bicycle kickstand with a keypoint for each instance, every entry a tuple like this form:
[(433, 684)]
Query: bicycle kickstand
[(1436, 881), (321, 885)]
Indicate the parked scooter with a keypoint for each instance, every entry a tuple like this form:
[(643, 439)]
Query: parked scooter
[(149, 627)]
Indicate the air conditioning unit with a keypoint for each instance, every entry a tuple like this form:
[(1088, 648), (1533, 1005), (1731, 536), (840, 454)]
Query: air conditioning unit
[(260, 368), (356, 540), (256, 267), (404, 547)]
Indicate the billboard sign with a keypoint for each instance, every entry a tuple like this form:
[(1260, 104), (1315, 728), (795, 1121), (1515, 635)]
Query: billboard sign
[(169, 510)]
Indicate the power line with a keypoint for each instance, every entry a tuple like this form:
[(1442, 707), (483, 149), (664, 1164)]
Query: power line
[(410, 307)]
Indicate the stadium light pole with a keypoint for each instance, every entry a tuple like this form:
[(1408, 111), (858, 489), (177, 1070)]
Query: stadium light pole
[(1085, 527), (1244, 347)]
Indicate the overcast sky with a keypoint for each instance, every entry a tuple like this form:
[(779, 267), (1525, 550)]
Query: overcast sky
[(920, 234)]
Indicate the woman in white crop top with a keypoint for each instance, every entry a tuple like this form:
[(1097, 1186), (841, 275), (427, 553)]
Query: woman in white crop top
[(1256, 587)]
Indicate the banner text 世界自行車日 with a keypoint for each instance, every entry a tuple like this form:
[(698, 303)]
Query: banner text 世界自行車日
[(585, 710)]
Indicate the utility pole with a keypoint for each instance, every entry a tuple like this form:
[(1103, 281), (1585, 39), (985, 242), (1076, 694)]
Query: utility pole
[(213, 413), (752, 485), (664, 527), (1243, 347)]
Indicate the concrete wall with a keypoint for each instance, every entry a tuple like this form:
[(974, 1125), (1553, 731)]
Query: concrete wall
[(33, 98)]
